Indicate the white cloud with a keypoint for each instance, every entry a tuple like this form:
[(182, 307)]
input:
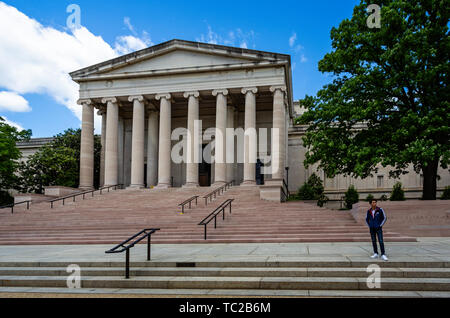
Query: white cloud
[(13, 102), (232, 38), (127, 22), (292, 39), (303, 59), (13, 124), (128, 43), (37, 59)]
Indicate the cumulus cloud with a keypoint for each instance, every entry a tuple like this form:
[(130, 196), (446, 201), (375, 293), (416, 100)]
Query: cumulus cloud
[(37, 59), (13, 102)]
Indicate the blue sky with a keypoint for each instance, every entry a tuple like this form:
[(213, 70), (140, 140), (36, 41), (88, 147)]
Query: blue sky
[(37, 39)]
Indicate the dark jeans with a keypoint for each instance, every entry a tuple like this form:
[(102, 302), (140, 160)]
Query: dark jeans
[(374, 232)]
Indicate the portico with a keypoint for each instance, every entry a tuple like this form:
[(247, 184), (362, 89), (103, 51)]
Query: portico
[(144, 96)]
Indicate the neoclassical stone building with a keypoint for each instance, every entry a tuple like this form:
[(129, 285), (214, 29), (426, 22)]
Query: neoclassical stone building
[(143, 96)]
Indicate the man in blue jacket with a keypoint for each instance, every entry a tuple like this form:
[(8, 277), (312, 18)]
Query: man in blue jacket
[(375, 219)]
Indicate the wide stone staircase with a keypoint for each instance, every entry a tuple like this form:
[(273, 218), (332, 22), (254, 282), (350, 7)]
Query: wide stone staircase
[(307, 278), (115, 216)]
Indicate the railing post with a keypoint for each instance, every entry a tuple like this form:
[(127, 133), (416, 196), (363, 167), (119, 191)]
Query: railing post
[(148, 247), (215, 221), (28, 205), (205, 230), (223, 213), (230, 206), (51, 204), (12, 209), (63, 201), (127, 263)]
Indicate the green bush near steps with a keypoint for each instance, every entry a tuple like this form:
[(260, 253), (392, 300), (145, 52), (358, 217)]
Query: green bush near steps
[(397, 194), (446, 193), (313, 190), (351, 197)]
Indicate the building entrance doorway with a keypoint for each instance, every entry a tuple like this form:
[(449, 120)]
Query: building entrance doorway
[(204, 171)]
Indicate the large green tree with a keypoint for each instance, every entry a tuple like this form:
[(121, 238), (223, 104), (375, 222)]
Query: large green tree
[(9, 156), (388, 102), (58, 163)]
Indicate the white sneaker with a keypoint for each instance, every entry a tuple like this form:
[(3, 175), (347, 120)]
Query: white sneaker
[(374, 255), (384, 258)]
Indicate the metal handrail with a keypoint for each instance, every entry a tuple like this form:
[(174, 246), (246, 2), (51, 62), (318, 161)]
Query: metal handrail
[(213, 214), (286, 193), (188, 201), (147, 234), (215, 191), (12, 205), (74, 195)]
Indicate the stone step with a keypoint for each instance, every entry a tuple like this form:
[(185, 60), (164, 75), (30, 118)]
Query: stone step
[(215, 282), (232, 272), (109, 292)]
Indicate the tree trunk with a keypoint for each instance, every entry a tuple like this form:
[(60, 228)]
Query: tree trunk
[(430, 180)]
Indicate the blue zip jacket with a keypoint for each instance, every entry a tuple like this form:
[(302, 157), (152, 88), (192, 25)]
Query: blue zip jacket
[(377, 220)]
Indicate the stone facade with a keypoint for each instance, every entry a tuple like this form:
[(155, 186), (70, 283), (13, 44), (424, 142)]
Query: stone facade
[(145, 96)]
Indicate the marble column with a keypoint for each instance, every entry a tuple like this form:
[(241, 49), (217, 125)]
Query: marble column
[(279, 141), (192, 153), (137, 142), (250, 139), (152, 148), (165, 143), (111, 149), (103, 142), (230, 146), (220, 166), (87, 145)]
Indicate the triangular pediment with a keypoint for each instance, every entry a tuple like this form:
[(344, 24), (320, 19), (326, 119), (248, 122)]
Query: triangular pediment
[(178, 59), (177, 55)]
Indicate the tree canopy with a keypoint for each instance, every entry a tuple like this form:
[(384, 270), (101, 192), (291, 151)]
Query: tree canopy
[(9, 153), (388, 102), (58, 163)]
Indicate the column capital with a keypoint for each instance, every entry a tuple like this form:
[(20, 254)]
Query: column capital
[(136, 97), (196, 94), (224, 92), (278, 87), (246, 90), (166, 96), (85, 101), (106, 100)]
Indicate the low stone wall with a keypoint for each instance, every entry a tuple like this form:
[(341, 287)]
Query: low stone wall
[(411, 217), (57, 191)]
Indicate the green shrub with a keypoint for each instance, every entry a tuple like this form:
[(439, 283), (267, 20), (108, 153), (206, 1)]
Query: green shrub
[(384, 197), (369, 198), (397, 193), (446, 193), (351, 197), (313, 190)]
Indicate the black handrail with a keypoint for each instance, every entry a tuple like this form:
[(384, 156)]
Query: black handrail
[(74, 195), (213, 214), (12, 205), (147, 234), (195, 197), (286, 193), (218, 190)]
